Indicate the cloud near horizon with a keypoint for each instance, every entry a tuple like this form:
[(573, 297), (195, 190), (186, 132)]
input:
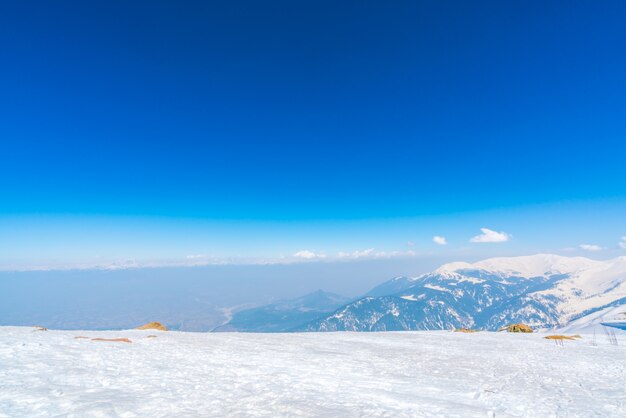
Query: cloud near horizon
[(489, 235), (590, 247), (368, 253), (308, 255), (622, 243), (357, 254), (200, 260)]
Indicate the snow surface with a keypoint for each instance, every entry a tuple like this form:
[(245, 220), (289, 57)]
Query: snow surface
[(310, 374)]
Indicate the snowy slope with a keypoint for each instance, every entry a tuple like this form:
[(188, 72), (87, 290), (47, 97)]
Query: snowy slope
[(587, 289), (543, 290), (592, 323), (423, 374)]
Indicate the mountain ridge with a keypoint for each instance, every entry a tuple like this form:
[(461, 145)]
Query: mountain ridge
[(544, 290)]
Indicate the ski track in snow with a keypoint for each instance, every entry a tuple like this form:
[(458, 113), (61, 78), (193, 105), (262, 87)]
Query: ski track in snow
[(310, 374)]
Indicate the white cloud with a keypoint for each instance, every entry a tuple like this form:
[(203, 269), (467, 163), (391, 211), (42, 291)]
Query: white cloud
[(357, 254), (308, 255), (439, 240), (370, 253), (198, 260), (393, 254), (489, 235), (622, 243), (196, 256), (590, 247), (410, 243)]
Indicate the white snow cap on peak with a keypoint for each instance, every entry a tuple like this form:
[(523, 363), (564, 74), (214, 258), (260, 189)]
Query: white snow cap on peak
[(531, 265)]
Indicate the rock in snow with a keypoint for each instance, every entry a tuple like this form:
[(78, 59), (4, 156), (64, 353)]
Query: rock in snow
[(423, 374)]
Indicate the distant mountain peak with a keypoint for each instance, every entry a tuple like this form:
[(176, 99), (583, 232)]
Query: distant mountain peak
[(529, 265)]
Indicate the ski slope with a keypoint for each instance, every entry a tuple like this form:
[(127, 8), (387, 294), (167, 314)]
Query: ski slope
[(311, 374)]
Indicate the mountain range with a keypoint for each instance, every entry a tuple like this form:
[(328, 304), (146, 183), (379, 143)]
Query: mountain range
[(542, 290)]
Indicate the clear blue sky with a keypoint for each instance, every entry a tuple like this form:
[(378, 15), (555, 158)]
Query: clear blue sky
[(163, 131)]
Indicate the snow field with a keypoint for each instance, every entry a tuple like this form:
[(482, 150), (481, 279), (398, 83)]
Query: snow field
[(310, 374)]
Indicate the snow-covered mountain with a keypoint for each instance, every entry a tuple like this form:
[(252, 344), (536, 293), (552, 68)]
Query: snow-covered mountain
[(285, 315), (542, 290)]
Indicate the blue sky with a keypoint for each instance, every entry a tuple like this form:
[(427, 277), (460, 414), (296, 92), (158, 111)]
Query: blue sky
[(159, 133)]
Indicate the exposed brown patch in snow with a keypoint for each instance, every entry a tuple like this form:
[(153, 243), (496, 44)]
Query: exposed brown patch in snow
[(153, 325), (465, 330), (516, 328), (562, 337), (119, 340)]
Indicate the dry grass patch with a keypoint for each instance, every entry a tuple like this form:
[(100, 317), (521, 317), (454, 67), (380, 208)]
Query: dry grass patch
[(117, 340), (38, 328), (561, 337), (81, 337), (151, 336), (153, 325), (466, 330), (517, 328)]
